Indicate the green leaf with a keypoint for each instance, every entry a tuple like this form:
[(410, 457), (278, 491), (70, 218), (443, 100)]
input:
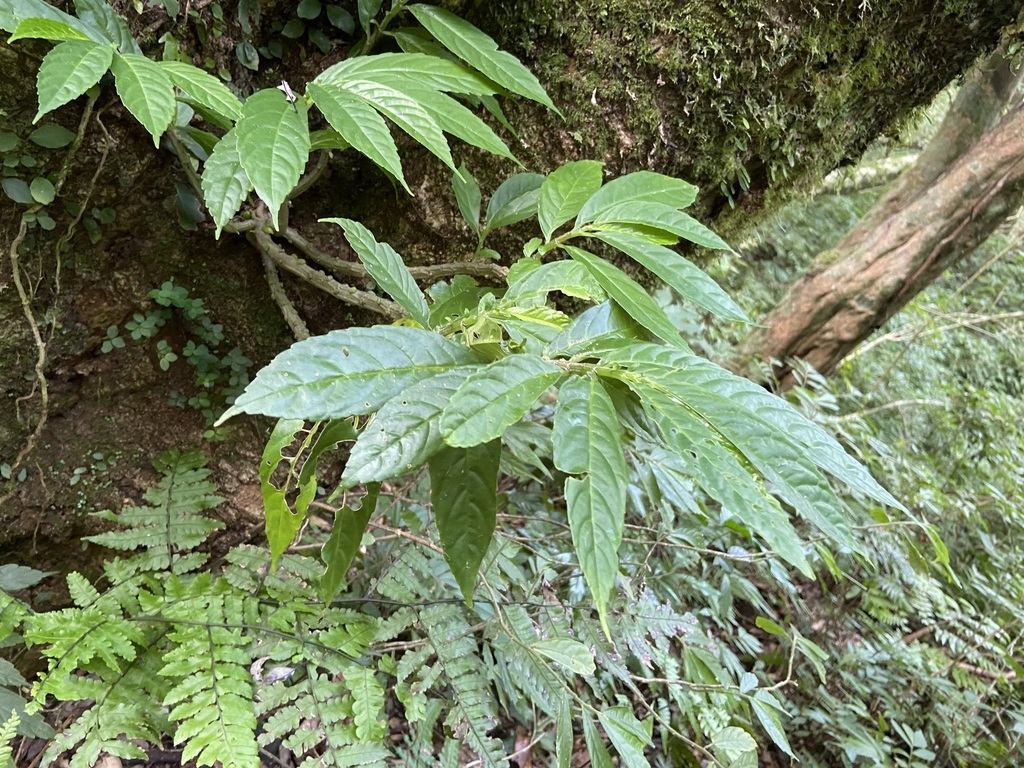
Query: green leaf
[(731, 742), (402, 70), (46, 29), (206, 89), (637, 303), (628, 734), (455, 119), (15, 577), (467, 195), (565, 191), (571, 654), (405, 112), (273, 145), (688, 280), (146, 91), (308, 9), (98, 14), (640, 187), (43, 191), (597, 751), (513, 201), (587, 439), (480, 52), (607, 324), (225, 183), (13, 12), (406, 430), (348, 372), (762, 704), (367, 703), (327, 138), (662, 217), (496, 397), (327, 438), (361, 126), (367, 10), (771, 627), (463, 490), (281, 523), (568, 277), (17, 190), (564, 736), (51, 136), (344, 542), (387, 268)]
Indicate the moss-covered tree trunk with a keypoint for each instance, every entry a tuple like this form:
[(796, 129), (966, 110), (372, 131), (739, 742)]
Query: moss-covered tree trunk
[(744, 97), (962, 186)]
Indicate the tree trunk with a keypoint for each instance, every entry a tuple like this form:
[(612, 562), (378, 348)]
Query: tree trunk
[(962, 186)]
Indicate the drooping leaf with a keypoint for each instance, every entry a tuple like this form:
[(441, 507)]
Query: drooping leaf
[(765, 710), (348, 372), (495, 397), (225, 183), (732, 742), (563, 733), (98, 14), (514, 200), (361, 126), (480, 52), (146, 91), (625, 291), (46, 29), (571, 654), (281, 523), (406, 430), (327, 438), (598, 752), (273, 145), (628, 734), (662, 217), (463, 491), (387, 268), (327, 138), (206, 89), (640, 187), (467, 195), (587, 440), (688, 280), (344, 541), (565, 191), (455, 119)]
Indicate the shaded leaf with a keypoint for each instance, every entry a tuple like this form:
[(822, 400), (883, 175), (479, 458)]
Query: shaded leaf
[(628, 734), (225, 183), (281, 524), (344, 541), (463, 490), (514, 200), (206, 89), (146, 91), (571, 654), (467, 195)]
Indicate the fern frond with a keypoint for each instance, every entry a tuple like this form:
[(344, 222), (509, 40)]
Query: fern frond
[(173, 523)]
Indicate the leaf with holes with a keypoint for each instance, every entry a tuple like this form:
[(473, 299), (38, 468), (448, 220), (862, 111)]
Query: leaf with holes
[(280, 523), (344, 541), (146, 91), (273, 145)]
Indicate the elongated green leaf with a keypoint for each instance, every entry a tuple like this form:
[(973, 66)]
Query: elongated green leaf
[(327, 438), (206, 89), (571, 654), (514, 200), (639, 187), (273, 145), (767, 714), (598, 752), (406, 430), (405, 112), (494, 398), (662, 217), (361, 126), (455, 119), (13, 12), (225, 182), (146, 91), (327, 138), (467, 195), (822, 448), (688, 280), (463, 490), (46, 29), (628, 734), (605, 325), (367, 10), (565, 191), (387, 268), (775, 455), (401, 69), (718, 471), (349, 372), (480, 52), (568, 277), (281, 523), (344, 541), (587, 440), (564, 736), (98, 14), (68, 71), (637, 303)]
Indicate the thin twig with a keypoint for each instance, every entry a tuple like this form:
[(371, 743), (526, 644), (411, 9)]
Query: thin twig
[(186, 164), (291, 316), (310, 178)]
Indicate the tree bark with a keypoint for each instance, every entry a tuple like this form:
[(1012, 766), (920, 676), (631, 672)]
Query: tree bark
[(962, 186)]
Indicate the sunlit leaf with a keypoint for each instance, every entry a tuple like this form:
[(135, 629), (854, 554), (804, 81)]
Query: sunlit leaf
[(641, 186), (225, 183), (146, 91), (565, 191), (46, 29)]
